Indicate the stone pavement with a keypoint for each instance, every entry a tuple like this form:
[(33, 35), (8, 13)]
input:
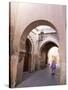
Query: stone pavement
[(40, 78)]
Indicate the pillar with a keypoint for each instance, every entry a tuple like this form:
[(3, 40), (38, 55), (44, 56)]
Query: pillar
[(32, 62), (62, 64), (13, 68), (62, 52), (20, 66)]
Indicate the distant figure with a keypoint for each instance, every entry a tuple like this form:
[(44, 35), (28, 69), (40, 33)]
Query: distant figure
[(53, 67)]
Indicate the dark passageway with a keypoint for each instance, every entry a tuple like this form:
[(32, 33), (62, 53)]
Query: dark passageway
[(27, 59)]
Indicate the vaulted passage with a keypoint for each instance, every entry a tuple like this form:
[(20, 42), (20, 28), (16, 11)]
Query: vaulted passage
[(34, 38), (44, 53)]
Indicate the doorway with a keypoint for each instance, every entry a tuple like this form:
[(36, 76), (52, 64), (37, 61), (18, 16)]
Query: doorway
[(44, 53), (27, 58)]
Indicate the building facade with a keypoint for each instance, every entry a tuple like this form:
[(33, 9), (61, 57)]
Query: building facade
[(29, 45)]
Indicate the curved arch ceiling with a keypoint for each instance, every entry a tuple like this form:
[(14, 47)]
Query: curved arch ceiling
[(43, 28)]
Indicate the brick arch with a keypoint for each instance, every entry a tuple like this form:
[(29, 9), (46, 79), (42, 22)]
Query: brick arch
[(31, 26)]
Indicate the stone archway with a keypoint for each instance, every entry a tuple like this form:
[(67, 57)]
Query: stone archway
[(31, 26), (44, 52), (48, 39), (28, 24), (23, 38)]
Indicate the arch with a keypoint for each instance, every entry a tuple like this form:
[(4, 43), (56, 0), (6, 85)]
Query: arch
[(49, 39), (31, 26), (44, 52), (48, 43), (23, 38)]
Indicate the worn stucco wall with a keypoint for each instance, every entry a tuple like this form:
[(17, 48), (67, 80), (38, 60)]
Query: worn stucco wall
[(22, 14)]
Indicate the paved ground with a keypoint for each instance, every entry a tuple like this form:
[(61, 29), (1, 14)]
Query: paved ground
[(40, 78)]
